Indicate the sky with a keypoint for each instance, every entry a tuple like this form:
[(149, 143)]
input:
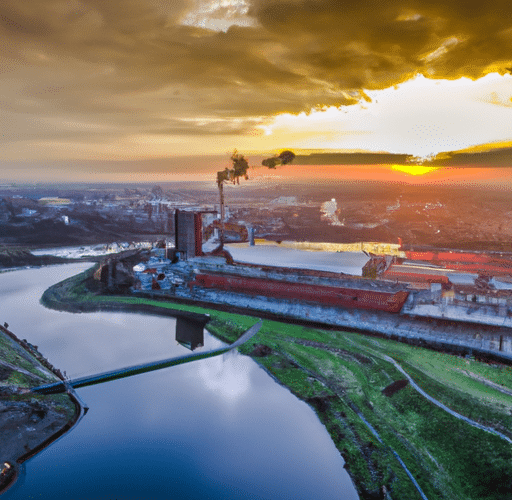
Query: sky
[(158, 89)]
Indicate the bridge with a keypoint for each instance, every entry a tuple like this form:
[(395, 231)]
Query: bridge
[(63, 386)]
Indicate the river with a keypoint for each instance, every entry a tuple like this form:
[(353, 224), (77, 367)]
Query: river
[(218, 428)]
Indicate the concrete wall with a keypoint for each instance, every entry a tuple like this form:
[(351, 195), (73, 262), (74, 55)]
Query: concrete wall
[(457, 336)]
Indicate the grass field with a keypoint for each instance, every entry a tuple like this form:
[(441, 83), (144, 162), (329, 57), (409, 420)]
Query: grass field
[(20, 370), (12, 354), (342, 376)]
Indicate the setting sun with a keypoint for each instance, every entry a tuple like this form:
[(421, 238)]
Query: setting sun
[(414, 169)]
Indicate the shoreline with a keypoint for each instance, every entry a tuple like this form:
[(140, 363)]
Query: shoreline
[(373, 468), (454, 337), (22, 408)]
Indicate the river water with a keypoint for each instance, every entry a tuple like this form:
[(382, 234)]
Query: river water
[(218, 428)]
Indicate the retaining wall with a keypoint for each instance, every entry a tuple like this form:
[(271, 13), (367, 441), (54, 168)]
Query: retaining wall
[(457, 336)]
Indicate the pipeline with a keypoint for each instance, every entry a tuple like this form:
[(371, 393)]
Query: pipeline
[(99, 378)]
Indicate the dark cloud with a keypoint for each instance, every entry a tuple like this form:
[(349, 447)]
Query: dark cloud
[(131, 66), (377, 43), (350, 159), (501, 157)]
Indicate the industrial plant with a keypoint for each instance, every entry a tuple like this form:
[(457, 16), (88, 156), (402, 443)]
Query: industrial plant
[(452, 297)]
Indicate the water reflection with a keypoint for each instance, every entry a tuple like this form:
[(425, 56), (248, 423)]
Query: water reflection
[(190, 333), (226, 376), (219, 428)]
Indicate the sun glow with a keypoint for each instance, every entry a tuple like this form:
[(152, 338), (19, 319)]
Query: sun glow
[(414, 169), (420, 117)]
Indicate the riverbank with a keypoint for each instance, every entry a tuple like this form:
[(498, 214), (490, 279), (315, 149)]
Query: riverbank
[(28, 422), (15, 257), (359, 395)]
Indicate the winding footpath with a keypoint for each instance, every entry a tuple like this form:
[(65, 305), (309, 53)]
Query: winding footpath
[(370, 427), (397, 456), (444, 407), (415, 386)]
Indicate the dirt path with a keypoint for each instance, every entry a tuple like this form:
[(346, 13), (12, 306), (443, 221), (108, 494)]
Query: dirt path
[(356, 410), (444, 407), (487, 382), (435, 401)]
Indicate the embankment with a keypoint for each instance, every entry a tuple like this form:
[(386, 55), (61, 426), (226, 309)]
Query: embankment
[(459, 337), (28, 423), (487, 342)]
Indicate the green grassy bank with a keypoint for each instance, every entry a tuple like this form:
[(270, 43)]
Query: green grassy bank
[(28, 422), (342, 376), (20, 370)]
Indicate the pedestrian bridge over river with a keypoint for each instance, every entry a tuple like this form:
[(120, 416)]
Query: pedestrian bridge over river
[(99, 378)]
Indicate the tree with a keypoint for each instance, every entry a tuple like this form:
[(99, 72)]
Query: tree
[(240, 169), (283, 158)]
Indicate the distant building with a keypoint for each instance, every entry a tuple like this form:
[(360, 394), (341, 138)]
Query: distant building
[(27, 212), (285, 200), (54, 201), (418, 273)]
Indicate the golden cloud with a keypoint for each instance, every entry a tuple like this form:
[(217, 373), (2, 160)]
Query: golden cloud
[(134, 66)]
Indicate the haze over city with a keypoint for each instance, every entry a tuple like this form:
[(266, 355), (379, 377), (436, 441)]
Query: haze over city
[(151, 90)]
